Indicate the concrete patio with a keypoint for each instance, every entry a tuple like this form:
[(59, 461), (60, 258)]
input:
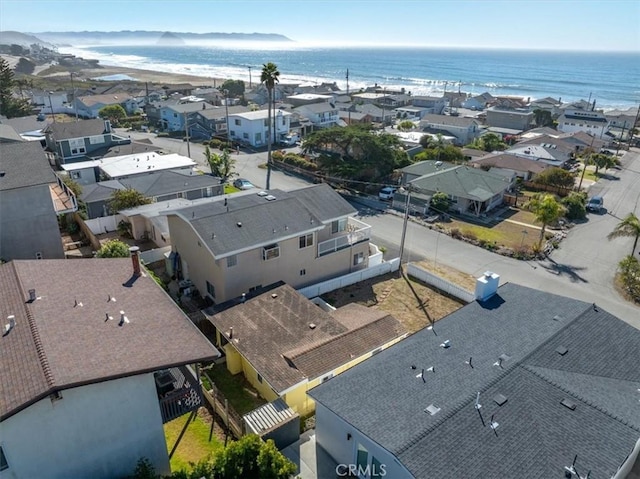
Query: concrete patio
[(312, 462)]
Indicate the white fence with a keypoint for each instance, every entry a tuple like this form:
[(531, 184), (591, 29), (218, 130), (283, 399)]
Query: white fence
[(349, 279), (106, 224), (440, 283), (153, 255)]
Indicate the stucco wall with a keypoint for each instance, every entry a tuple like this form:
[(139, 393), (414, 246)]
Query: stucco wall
[(332, 434), (97, 431), (28, 224)]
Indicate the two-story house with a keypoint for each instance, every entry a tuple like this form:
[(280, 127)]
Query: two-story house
[(95, 359), (593, 122), (321, 115), (239, 244), (435, 104), (510, 118), (464, 129), (175, 114), (77, 141), (252, 127), (32, 197), (209, 122)]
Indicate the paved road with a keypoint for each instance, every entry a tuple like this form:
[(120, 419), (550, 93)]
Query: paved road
[(583, 267), (246, 162)]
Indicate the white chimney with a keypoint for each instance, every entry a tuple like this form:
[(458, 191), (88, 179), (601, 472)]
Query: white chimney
[(487, 285)]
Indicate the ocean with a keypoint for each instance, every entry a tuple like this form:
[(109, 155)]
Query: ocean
[(612, 79)]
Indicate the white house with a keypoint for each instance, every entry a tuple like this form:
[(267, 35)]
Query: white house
[(252, 127), (94, 362), (321, 115), (593, 122)]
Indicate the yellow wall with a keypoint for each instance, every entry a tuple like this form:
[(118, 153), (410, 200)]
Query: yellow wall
[(234, 360)]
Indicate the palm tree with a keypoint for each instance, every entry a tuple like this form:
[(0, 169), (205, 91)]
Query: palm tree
[(269, 77), (546, 210), (629, 227)]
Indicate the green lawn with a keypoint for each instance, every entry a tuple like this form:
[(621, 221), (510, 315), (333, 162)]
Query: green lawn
[(228, 189), (233, 388), (194, 445), (504, 233)]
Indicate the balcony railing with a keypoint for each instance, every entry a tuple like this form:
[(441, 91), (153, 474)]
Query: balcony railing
[(64, 200), (356, 232), (179, 392)]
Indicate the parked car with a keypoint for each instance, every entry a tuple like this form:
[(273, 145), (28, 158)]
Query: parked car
[(386, 193), (595, 204), (243, 184)]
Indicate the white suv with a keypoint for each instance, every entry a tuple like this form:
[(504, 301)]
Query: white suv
[(386, 193)]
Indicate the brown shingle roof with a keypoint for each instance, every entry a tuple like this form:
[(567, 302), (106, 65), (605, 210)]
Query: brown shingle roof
[(63, 339), (512, 162), (273, 333)]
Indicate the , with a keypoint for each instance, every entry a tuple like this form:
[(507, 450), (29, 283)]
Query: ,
[(386, 193), (243, 184), (595, 204)]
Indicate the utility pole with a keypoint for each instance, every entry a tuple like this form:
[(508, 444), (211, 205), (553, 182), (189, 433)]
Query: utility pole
[(51, 106), (75, 106), (186, 130), (621, 138), (249, 67), (406, 221), (226, 109), (584, 169)]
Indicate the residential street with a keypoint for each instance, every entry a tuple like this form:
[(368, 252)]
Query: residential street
[(583, 267)]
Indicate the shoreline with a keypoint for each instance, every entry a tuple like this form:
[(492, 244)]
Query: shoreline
[(151, 76)]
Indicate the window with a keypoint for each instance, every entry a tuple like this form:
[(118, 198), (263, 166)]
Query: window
[(258, 137), (39, 255), (358, 258), (237, 122), (232, 261), (306, 241), (303, 272), (254, 288), (376, 468), (76, 145), (75, 175), (362, 458), (270, 252), (338, 226), (326, 378), (3, 460), (211, 290), (259, 378), (266, 123), (245, 136)]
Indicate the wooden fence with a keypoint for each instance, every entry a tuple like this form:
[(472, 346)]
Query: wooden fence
[(221, 407)]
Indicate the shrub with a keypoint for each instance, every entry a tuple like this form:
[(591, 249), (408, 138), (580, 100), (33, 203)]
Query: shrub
[(575, 204), (455, 233)]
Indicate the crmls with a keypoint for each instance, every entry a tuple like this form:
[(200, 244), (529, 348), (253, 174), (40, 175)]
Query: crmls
[(366, 471)]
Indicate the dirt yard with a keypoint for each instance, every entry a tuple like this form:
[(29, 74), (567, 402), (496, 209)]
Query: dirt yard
[(412, 302)]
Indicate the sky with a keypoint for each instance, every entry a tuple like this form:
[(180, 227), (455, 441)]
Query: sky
[(597, 25)]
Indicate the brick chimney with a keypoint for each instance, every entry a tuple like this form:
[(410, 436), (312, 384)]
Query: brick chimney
[(135, 259)]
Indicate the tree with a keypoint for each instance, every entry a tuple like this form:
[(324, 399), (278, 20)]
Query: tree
[(10, 106), (269, 76), (555, 176), (127, 198), (542, 117), (235, 88), (440, 202), (114, 249), (113, 113), (628, 227), (546, 210), (449, 153), (488, 142), (575, 204), (221, 165), (251, 458), (601, 160), (406, 125), (630, 276)]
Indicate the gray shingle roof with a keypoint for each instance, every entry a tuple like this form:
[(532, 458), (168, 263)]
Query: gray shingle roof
[(24, 164), (462, 181), (168, 181), (57, 344), (516, 163), (262, 221), (80, 129), (458, 121), (537, 436)]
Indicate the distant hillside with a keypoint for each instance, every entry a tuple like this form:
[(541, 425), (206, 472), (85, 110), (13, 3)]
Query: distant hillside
[(169, 38), (142, 37), (22, 39)]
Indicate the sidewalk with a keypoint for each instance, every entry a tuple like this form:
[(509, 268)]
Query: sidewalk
[(312, 462)]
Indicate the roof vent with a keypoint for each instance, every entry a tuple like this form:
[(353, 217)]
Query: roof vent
[(10, 325), (500, 399), (561, 350), (123, 319), (2, 173), (432, 409), (269, 197), (312, 326), (239, 224), (557, 317), (262, 193), (274, 295), (569, 404), (446, 344), (32, 295)]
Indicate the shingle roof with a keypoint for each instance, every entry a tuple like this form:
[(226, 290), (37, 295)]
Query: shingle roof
[(426, 167), (273, 333), (63, 340), (24, 164), (218, 112), (100, 191), (316, 107), (167, 181), (513, 162), (116, 98), (264, 221), (464, 182), (537, 436), (458, 121), (79, 129)]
